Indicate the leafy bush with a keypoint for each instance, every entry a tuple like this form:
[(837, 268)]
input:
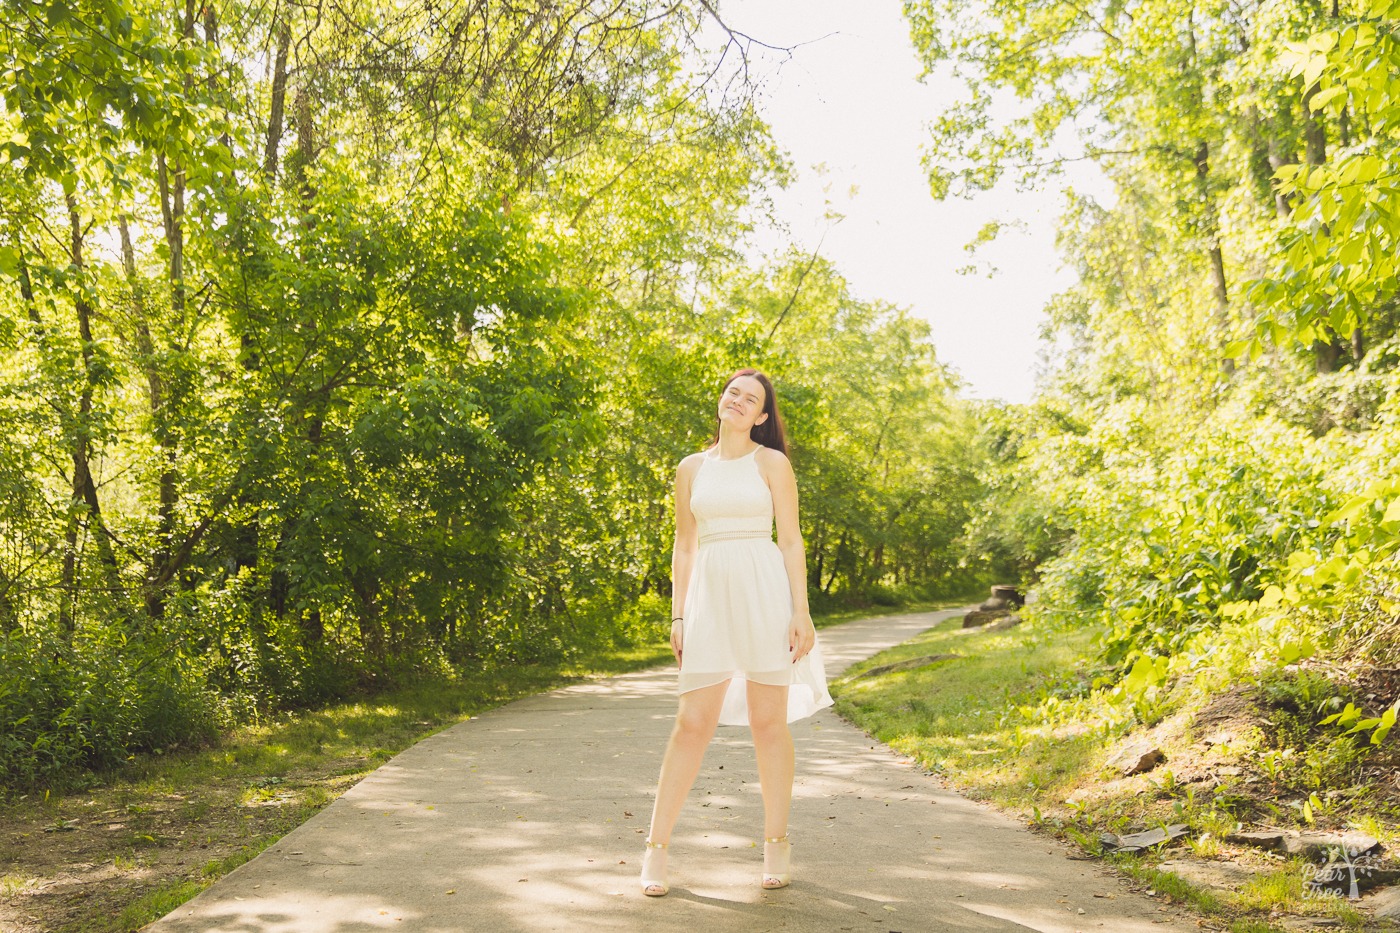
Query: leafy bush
[(1165, 534), (93, 704)]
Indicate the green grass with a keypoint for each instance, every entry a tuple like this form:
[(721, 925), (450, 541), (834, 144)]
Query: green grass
[(1278, 890), (156, 904), (10, 885), (1171, 886), (961, 716), (377, 728)]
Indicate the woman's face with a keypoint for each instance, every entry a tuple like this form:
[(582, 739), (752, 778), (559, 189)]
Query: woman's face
[(741, 404)]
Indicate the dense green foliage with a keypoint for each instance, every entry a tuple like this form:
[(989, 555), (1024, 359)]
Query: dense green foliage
[(1208, 471), (345, 345)]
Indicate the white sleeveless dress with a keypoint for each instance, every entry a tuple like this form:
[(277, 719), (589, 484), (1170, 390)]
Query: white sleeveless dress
[(738, 606)]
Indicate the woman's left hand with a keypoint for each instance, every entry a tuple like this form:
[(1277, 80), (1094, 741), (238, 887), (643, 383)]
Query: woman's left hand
[(802, 635)]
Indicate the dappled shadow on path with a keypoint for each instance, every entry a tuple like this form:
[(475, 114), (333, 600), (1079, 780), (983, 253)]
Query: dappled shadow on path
[(532, 817)]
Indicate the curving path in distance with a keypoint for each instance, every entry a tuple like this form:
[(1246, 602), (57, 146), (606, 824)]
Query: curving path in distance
[(532, 818)]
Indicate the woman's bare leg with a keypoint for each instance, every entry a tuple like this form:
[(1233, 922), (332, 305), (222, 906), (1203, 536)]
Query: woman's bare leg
[(696, 720), (772, 744)]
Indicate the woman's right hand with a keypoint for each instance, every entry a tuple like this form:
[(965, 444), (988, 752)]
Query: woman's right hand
[(677, 638)]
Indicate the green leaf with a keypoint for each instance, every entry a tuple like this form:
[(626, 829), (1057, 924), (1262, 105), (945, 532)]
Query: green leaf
[(1323, 98), (1323, 41), (1387, 720), (1349, 510), (1146, 673), (1330, 569), (1313, 68), (1328, 207), (1364, 724), (1345, 716), (1392, 512), (1292, 651), (1351, 251)]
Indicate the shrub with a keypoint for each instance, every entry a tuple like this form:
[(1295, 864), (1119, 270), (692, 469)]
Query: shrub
[(1167, 531), (91, 704)]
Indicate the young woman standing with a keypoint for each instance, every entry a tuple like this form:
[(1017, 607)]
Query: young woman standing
[(741, 630)]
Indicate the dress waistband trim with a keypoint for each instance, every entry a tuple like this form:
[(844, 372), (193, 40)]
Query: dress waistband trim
[(734, 535)]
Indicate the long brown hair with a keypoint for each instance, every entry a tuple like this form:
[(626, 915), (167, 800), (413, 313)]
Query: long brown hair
[(771, 432)]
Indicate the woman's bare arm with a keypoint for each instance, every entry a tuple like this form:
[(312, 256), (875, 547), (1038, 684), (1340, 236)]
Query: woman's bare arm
[(782, 483), (683, 554)]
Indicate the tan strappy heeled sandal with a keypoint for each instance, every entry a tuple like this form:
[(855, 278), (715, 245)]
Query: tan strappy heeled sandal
[(777, 862), (653, 881)]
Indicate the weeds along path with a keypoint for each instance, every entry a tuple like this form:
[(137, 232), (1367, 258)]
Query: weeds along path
[(532, 817)]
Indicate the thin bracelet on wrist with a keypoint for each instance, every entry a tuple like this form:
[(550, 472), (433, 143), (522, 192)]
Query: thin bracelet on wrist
[(677, 619)]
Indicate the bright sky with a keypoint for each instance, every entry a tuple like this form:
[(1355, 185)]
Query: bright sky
[(852, 102)]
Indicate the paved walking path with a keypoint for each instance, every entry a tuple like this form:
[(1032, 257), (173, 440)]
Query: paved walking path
[(532, 817)]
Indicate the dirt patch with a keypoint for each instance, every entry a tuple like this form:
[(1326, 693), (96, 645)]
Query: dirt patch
[(73, 865), (1230, 713), (1377, 687)]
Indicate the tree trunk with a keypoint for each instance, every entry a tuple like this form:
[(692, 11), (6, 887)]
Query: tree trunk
[(211, 38), (279, 99), (9, 612), (1328, 352), (313, 628), (68, 578), (171, 186), (1217, 281), (68, 573), (306, 143), (835, 563), (172, 209), (1278, 158), (1214, 254), (1314, 133), (86, 507), (312, 625), (247, 532), (26, 284), (365, 585), (160, 424), (66, 594)]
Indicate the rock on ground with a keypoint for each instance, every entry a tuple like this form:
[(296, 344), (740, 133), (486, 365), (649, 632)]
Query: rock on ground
[(979, 617), (1137, 758), (1217, 876), (1312, 845)]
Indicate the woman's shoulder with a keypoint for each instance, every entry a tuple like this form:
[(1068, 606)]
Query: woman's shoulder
[(690, 464), (768, 458)]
